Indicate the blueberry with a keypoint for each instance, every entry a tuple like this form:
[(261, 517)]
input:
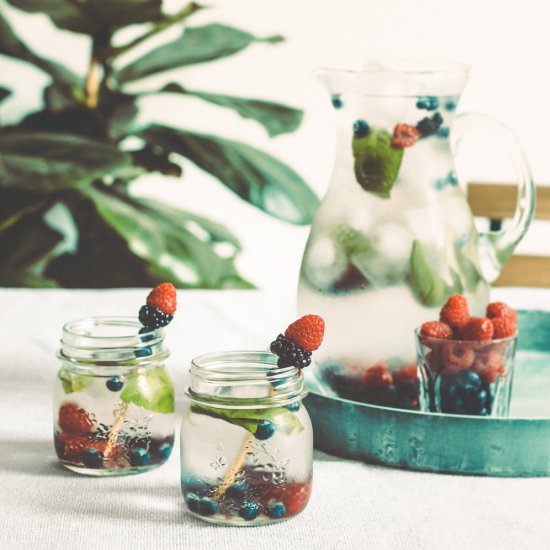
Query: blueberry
[(146, 351), (450, 105), (192, 500), (236, 491), (293, 407), (114, 383), (194, 485), (465, 393), (429, 103), (361, 128), (149, 335), (165, 450), (249, 510), (207, 506), (92, 458), (264, 430), (442, 132), (337, 102), (276, 510), (139, 456)]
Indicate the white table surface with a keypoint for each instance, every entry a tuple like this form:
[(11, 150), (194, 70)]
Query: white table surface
[(354, 505)]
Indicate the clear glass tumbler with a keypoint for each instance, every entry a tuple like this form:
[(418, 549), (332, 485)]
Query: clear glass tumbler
[(114, 399), (465, 377), (246, 440)]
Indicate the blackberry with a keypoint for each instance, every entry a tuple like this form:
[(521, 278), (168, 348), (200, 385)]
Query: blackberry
[(428, 126), (361, 128), (289, 353), (153, 318)]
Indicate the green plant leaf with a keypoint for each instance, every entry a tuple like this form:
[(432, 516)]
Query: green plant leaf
[(255, 176), (12, 46), (4, 93), (90, 16), (53, 161), (72, 382), (276, 118), (283, 420), (377, 162), (164, 238), (152, 389), (195, 45), (426, 283)]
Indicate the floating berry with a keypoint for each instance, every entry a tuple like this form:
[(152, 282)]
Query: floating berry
[(429, 103), (290, 355), (455, 312), (163, 298), (293, 407), (144, 352), (307, 332), (115, 383), (429, 125), (153, 318), (437, 329), (207, 506), (147, 334), (377, 376), (295, 497), (450, 105), (443, 132), (192, 500), (264, 430), (477, 328), (504, 327), (250, 510), (500, 309), (139, 456), (489, 366), (405, 135), (75, 420), (92, 458), (361, 128), (337, 102), (276, 510)]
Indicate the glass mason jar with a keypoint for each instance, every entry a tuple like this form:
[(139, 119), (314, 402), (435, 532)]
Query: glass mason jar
[(114, 399), (246, 440)]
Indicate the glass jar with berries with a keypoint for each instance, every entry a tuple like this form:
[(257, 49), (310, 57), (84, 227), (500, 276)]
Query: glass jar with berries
[(114, 399), (246, 437)]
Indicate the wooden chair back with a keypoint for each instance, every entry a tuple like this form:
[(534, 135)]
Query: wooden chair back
[(497, 202)]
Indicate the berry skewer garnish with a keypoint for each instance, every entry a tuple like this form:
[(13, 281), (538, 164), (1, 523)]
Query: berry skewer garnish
[(157, 312), (293, 349)]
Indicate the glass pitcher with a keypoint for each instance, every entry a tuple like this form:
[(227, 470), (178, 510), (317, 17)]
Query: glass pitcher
[(394, 235)]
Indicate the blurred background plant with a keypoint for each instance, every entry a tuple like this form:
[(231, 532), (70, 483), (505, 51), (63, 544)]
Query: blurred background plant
[(75, 159)]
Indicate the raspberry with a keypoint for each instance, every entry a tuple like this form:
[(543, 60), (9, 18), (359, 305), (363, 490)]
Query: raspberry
[(307, 332), (153, 318), (489, 366), (457, 356), (428, 126), (74, 420), (477, 328), (437, 329), (293, 495), (289, 353), (434, 361), (455, 312), (504, 327), (163, 298), (75, 446), (405, 135), (500, 309), (377, 376)]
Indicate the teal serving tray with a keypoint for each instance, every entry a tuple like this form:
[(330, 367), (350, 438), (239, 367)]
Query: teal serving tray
[(518, 445)]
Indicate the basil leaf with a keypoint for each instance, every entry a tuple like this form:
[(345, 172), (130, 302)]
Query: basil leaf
[(153, 390), (283, 420), (377, 162), (74, 382)]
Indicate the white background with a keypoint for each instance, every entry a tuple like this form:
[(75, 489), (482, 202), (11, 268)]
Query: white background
[(505, 43)]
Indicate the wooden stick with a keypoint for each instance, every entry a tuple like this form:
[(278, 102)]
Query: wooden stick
[(115, 429)]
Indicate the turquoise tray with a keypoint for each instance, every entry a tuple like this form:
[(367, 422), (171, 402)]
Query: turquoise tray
[(518, 445)]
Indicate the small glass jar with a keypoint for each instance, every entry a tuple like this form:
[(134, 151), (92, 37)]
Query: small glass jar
[(114, 399), (246, 440)]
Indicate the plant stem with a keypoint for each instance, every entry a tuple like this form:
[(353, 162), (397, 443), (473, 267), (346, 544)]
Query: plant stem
[(92, 83), (159, 26)]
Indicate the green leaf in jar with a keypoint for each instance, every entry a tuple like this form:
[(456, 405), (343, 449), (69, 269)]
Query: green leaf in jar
[(283, 420), (73, 382), (152, 389), (426, 283), (377, 162)]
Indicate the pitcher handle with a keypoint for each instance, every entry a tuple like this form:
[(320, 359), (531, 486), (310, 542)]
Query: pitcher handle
[(496, 247)]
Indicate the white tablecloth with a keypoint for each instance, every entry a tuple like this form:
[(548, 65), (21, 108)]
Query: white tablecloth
[(354, 505)]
